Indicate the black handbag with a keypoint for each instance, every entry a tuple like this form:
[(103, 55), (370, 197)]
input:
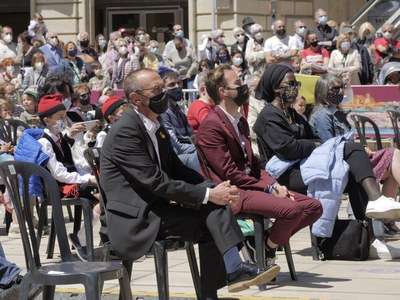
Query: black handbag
[(349, 241)]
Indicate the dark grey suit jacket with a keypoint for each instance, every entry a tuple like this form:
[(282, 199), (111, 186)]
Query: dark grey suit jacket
[(135, 185)]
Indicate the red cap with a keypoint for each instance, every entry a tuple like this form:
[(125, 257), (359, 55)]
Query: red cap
[(111, 105), (50, 104), (121, 30)]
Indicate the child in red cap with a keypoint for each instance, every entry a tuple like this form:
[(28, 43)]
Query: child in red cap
[(113, 109), (52, 114)]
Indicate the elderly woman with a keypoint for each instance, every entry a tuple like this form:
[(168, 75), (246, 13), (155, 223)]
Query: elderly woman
[(255, 54), (241, 40), (287, 135), (346, 58), (124, 63)]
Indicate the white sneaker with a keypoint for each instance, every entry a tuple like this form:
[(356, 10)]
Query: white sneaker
[(379, 249), (383, 208), (14, 232)]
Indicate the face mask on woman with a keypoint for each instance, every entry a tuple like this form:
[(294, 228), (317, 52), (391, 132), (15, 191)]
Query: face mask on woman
[(345, 46), (335, 97), (102, 43), (123, 50), (237, 61)]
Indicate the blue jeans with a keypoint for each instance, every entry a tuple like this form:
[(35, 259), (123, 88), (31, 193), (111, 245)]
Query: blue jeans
[(8, 270), (190, 160)]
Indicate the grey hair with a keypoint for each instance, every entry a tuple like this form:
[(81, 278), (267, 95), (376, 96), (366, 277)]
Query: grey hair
[(318, 11), (324, 83), (131, 82), (297, 22), (122, 40), (113, 34), (255, 28), (237, 30), (79, 35)]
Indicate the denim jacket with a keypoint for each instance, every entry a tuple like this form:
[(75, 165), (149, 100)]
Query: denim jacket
[(329, 122)]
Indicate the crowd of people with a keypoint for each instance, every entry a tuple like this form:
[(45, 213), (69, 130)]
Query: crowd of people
[(248, 112)]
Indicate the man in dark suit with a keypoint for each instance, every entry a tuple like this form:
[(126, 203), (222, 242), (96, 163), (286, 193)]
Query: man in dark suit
[(152, 195), (223, 138)]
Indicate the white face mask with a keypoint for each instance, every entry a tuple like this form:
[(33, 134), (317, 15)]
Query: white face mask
[(39, 66), (67, 103), (388, 35), (10, 69), (345, 46), (240, 39), (369, 36), (301, 31), (258, 36), (8, 38), (209, 44), (154, 50), (53, 42), (237, 61), (123, 50), (60, 126)]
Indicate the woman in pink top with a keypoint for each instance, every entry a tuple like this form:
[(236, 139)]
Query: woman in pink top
[(200, 108)]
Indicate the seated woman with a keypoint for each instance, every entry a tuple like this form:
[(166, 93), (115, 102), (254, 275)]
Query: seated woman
[(329, 120), (287, 135)]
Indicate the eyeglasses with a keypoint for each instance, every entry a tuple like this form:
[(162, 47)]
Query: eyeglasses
[(389, 31), (154, 90), (336, 88), (292, 83)]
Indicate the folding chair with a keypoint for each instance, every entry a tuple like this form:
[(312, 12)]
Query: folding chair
[(16, 175), (395, 119)]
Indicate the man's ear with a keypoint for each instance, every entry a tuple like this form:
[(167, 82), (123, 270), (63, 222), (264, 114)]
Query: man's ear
[(222, 91), (134, 98)]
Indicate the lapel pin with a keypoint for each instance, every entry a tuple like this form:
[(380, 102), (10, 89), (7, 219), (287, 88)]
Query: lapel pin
[(162, 135)]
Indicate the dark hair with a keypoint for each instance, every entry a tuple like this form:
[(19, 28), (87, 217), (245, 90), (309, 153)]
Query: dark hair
[(214, 80), (168, 73), (208, 62), (55, 83), (243, 64), (228, 59), (25, 37)]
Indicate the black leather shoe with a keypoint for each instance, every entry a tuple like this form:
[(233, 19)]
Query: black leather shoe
[(80, 251), (249, 274)]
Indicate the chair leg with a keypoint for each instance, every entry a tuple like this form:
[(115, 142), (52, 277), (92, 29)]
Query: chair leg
[(194, 269), (290, 262), (52, 240), (48, 292), (93, 287), (259, 239), (24, 287), (128, 265), (87, 217), (70, 216), (161, 264), (125, 292), (314, 245), (7, 220), (78, 218)]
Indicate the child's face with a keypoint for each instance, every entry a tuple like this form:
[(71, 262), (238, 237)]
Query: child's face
[(300, 106), (6, 113), (29, 103)]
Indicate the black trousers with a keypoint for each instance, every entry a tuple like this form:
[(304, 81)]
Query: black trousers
[(213, 227), (360, 168)]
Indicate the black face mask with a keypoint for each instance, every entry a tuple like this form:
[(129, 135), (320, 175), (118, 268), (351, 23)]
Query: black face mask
[(290, 94), (84, 44), (243, 95), (84, 101), (281, 32), (175, 94), (314, 44), (335, 97), (159, 104)]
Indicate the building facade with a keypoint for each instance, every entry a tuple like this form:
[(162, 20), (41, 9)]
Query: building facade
[(68, 17)]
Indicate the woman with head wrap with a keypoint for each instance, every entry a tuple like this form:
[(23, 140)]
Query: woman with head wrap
[(284, 133)]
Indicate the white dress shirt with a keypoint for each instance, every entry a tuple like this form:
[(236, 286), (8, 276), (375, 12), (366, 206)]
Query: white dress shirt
[(56, 168)]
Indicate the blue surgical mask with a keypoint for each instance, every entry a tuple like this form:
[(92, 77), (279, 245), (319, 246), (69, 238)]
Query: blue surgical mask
[(179, 34), (223, 58), (301, 31), (237, 61), (323, 20), (102, 43), (345, 46)]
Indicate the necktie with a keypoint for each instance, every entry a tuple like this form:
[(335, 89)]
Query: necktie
[(59, 144)]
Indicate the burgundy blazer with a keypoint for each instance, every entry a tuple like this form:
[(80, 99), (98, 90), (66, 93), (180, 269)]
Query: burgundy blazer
[(225, 159)]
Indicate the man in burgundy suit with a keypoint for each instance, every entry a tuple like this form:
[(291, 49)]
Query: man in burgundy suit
[(223, 138)]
